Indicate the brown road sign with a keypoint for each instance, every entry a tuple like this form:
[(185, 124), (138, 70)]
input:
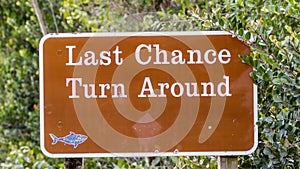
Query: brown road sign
[(146, 94)]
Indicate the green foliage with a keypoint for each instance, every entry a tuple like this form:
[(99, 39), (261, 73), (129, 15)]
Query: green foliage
[(270, 28), (117, 16), (19, 76), (152, 162), (28, 155)]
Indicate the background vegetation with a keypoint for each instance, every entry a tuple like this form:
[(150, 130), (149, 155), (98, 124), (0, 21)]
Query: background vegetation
[(269, 27)]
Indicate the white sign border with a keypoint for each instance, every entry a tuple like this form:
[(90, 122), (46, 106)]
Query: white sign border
[(133, 154)]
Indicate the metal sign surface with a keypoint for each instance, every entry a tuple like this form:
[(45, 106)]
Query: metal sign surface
[(146, 94)]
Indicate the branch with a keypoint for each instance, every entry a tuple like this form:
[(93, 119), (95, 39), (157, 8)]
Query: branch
[(53, 15), (39, 16)]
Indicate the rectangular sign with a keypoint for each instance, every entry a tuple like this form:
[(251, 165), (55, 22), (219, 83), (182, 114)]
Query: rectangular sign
[(146, 94)]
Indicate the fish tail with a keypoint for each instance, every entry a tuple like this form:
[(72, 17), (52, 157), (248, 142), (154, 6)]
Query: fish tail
[(54, 138)]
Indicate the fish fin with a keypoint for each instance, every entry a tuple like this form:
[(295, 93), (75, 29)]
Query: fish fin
[(75, 145), (54, 138)]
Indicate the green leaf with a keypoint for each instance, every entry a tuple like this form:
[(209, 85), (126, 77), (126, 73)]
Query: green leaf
[(267, 151), (206, 24), (241, 31), (161, 13), (248, 36), (277, 98), (269, 119), (120, 163), (155, 161), (288, 28), (277, 81), (283, 153), (240, 2), (221, 22)]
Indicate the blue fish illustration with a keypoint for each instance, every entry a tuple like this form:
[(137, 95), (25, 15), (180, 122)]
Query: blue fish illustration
[(71, 139)]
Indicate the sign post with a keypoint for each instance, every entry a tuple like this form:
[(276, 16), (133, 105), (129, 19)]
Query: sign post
[(227, 162), (146, 94), (73, 163)]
